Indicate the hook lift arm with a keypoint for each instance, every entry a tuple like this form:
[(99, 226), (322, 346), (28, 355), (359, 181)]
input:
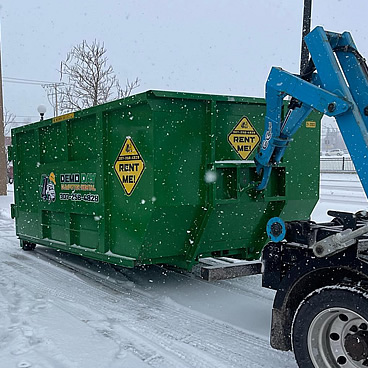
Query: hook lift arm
[(330, 84)]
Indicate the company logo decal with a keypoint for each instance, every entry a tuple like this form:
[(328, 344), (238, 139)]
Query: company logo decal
[(48, 183)]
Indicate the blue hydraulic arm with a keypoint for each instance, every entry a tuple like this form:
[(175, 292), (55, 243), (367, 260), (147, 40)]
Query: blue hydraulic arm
[(335, 83)]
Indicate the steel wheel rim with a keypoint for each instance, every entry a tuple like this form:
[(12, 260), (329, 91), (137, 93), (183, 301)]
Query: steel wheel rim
[(327, 335)]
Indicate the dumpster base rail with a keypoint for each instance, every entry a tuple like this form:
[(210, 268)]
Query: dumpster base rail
[(226, 268)]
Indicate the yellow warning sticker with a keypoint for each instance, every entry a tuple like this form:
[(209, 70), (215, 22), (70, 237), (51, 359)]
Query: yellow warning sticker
[(129, 166), (310, 124), (244, 138), (63, 117)]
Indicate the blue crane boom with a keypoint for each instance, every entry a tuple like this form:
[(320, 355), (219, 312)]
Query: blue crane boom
[(320, 271), (336, 84)]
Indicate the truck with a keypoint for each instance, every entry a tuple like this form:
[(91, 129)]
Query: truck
[(109, 182), (319, 270)]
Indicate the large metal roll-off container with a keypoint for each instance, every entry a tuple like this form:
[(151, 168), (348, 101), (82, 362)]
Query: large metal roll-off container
[(159, 177)]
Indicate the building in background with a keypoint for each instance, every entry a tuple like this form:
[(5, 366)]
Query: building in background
[(331, 138)]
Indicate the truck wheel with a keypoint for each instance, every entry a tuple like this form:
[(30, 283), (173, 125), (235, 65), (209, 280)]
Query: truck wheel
[(27, 245), (330, 329)]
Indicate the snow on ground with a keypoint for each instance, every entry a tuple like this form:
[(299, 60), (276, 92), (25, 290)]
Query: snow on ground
[(102, 316), (342, 192)]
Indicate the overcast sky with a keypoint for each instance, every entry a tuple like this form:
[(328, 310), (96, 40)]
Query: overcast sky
[(210, 46)]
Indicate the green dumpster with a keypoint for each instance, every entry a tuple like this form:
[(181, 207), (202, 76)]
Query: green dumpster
[(157, 178)]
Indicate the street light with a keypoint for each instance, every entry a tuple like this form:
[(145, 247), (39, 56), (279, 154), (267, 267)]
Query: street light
[(41, 110)]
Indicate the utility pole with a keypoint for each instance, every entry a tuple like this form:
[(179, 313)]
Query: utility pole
[(3, 160), (56, 100), (307, 15), (52, 95)]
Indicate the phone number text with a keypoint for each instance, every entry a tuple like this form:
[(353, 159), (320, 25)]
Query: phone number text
[(94, 198)]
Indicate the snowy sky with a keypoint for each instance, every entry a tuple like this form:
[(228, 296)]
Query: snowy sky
[(210, 46)]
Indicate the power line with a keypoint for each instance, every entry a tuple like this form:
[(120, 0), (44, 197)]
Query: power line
[(18, 82), (34, 82), (50, 87), (28, 80), (28, 116), (21, 122)]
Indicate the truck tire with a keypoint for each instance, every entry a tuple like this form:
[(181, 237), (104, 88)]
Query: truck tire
[(330, 329), (25, 245)]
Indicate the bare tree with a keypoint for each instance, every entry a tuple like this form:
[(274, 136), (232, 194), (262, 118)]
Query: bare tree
[(87, 79), (9, 120), (129, 87)]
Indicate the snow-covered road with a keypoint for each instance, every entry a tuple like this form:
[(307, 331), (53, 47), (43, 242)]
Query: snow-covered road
[(59, 310), (342, 192)]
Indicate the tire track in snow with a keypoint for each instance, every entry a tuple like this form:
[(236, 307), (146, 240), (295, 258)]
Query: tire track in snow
[(20, 337), (247, 285), (210, 344), (72, 301)]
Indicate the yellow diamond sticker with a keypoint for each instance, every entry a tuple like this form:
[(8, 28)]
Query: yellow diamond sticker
[(129, 166), (244, 138)]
